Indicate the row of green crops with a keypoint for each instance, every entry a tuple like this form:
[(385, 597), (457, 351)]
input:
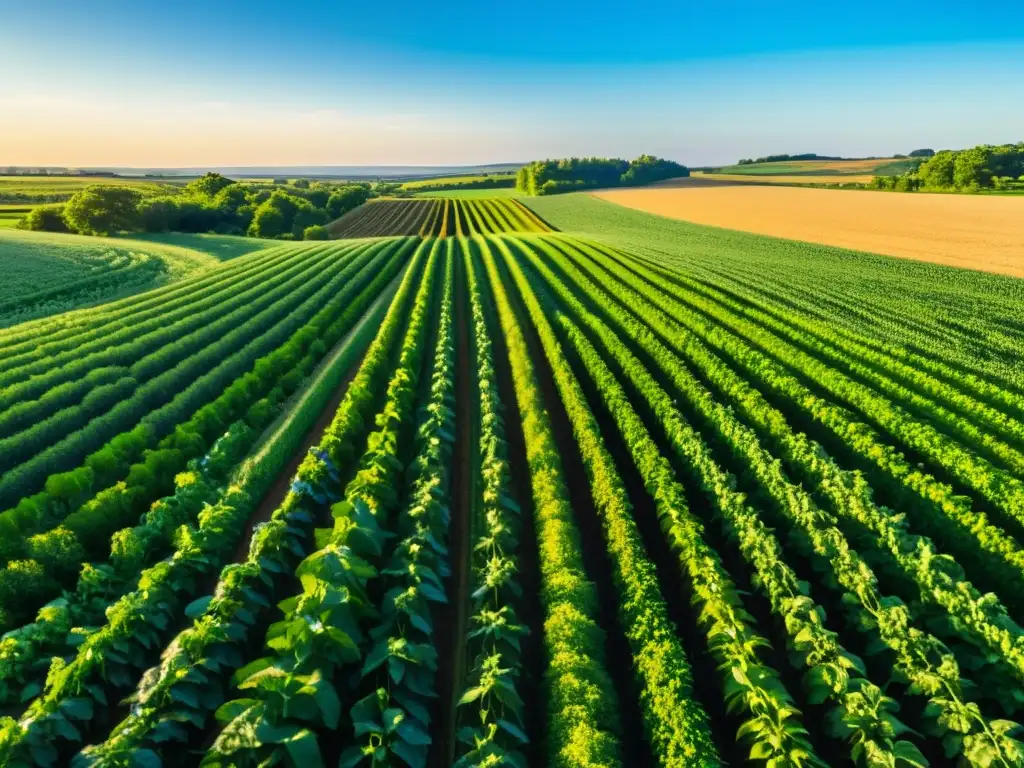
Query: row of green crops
[(492, 715), (391, 722), (582, 720)]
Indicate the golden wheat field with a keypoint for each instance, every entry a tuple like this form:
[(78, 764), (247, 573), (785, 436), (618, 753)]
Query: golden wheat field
[(978, 232)]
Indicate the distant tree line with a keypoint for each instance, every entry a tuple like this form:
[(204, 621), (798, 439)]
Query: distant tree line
[(812, 156), (979, 168), (547, 177), (214, 203)]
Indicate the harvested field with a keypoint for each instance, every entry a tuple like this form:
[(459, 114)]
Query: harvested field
[(985, 233)]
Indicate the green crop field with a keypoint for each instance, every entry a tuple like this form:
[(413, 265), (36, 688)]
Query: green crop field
[(490, 482), (221, 247), (47, 273), (459, 181), (472, 193), (41, 189)]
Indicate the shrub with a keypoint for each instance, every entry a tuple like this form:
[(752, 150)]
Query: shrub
[(45, 218), (103, 210), (316, 232)]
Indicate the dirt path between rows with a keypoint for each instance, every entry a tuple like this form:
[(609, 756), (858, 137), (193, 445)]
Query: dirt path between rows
[(277, 492)]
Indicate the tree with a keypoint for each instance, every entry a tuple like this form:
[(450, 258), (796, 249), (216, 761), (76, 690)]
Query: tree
[(103, 210), (316, 232), (937, 172), (267, 221), (648, 169), (45, 218), (318, 196), (159, 214), (971, 168), (922, 153), (306, 216), (276, 216), (233, 196), (345, 199), (208, 185)]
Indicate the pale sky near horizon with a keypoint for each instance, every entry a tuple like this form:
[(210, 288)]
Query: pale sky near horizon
[(314, 83)]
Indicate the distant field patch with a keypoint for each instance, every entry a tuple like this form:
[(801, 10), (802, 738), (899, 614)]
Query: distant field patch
[(985, 233), (874, 167), (41, 189), (780, 178), (508, 179), (471, 193), (436, 218), (47, 273)]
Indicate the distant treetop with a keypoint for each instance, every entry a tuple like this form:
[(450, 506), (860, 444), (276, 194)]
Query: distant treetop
[(922, 153)]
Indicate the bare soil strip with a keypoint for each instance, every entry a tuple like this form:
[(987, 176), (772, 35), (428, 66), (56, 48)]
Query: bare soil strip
[(984, 232)]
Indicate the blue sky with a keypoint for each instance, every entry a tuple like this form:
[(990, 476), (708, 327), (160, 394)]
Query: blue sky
[(261, 83)]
